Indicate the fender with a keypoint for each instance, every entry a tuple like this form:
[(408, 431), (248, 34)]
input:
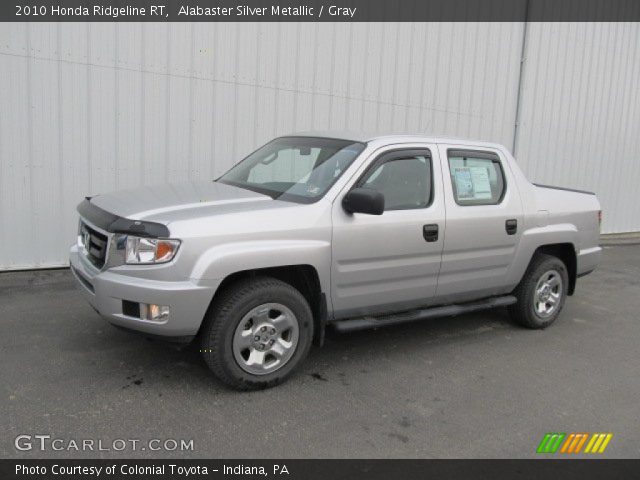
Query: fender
[(536, 237), (218, 262)]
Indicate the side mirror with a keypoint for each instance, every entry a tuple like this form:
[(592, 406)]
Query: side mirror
[(364, 200)]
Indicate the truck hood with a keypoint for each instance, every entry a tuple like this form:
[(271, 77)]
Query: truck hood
[(164, 203)]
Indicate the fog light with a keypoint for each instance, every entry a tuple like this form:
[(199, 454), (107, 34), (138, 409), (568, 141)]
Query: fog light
[(153, 312)]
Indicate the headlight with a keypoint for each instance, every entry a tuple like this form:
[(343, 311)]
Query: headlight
[(140, 250)]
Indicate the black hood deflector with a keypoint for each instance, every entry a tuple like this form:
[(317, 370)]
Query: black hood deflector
[(116, 224)]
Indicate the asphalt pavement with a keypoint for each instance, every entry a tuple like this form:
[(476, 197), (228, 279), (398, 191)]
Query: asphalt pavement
[(471, 386)]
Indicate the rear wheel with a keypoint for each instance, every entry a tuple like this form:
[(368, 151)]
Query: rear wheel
[(541, 293), (257, 333)]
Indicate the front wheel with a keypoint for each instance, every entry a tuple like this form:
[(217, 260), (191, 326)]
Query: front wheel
[(257, 333), (541, 293)]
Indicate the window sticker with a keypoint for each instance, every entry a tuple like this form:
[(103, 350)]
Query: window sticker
[(481, 183), (464, 185), (472, 183)]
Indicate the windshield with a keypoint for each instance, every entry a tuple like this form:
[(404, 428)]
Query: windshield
[(300, 169)]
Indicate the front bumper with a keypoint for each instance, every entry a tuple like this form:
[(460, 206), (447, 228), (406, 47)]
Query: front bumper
[(106, 289)]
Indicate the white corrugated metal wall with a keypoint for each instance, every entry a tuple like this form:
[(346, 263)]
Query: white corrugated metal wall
[(580, 113), (88, 108)]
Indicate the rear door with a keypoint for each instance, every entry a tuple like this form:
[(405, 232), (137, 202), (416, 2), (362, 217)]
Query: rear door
[(483, 225), (390, 262)]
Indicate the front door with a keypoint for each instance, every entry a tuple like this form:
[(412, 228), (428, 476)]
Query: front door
[(390, 262)]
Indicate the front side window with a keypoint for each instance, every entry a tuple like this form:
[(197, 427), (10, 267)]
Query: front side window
[(299, 169), (476, 177), (403, 178)]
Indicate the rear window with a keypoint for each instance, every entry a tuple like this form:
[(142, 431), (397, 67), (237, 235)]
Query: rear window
[(477, 177)]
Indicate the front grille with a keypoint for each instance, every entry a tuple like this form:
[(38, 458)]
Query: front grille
[(95, 245)]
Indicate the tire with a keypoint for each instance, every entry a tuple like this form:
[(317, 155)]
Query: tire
[(541, 293), (256, 333)]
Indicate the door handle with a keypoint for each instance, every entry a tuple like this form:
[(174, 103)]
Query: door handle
[(430, 232), (511, 226)]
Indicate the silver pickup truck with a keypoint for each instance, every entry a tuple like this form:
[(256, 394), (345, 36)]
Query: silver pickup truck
[(332, 228)]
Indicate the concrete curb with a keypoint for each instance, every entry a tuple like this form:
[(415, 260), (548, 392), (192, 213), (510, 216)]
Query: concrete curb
[(612, 239)]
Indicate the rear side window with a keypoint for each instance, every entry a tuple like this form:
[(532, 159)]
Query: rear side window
[(403, 177), (477, 177)]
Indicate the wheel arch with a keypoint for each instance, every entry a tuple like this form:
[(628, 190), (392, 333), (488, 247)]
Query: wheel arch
[(302, 277), (566, 252)]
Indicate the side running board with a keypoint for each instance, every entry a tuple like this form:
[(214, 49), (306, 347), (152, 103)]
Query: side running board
[(353, 324)]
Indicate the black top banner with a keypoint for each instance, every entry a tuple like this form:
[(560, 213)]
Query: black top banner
[(319, 10)]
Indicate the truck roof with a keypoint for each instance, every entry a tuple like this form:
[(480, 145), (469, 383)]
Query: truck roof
[(392, 137)]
